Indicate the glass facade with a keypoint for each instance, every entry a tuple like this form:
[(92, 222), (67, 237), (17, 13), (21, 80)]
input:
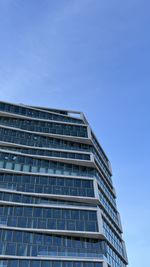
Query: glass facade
[(49, 218), (45, 127), (57, 201), (23, 243), (37, 140), (48, 263), (47, 184), (35, 113), (23, 198), (48, 153)]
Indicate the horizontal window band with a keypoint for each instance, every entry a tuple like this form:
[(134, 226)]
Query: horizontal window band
[(95, 235)]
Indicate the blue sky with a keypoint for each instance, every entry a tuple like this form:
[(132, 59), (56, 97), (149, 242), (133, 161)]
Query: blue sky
[(93, 56)]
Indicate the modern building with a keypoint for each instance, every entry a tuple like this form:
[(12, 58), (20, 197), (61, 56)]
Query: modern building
[(57, 201)]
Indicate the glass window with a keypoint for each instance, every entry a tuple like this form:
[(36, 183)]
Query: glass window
[(57, 264), (67, 264), (17, 166), (37, 239), (37, 212), (1, 164), (42, 223), (89, 264), (2, 248), (28, 211), (34, 169), (84, 215), (60, 182), (50, 170), (27, 238), (79, 226), (14, 263), (11, 249), (24, 263), (71, 225), (90, 226), (16, 198), (92, 215), (22, 221), (46, 264), (56, 213), (61, 224), (22, 249), (18, 211), (78, 264), (9, 165), (42, 169), (35, 263), (51, 224), (98, 264), (47, 240), (12, 221), (26, 168), (57, 241), (75, 214), (66, 214), (17, 236)]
